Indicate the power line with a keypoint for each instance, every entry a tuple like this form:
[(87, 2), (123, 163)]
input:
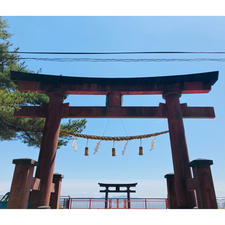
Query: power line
[(124, 59), (117, 53)]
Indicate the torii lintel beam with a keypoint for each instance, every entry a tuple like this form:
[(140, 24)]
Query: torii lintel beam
[(116, 112), (185, 84)]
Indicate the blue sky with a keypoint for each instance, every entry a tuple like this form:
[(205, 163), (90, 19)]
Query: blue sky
[(205, 137)]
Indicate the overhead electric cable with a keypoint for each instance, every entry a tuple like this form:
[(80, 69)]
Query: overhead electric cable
[(123, 59), (117, 53)]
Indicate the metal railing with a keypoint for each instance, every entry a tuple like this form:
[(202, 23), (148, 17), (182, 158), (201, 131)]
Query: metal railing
[(113, 203), (221, 202), (67, 202)]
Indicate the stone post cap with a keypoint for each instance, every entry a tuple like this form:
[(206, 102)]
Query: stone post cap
[(200, 162), (44, 207), (169, 175), (25, 161), (58, 175)]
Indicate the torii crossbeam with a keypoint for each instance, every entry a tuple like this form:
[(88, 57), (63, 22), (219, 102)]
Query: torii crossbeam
[(170, 87)]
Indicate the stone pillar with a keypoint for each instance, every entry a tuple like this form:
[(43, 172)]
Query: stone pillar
[(49, 144), (21, 183), (172, 201), (182, 172), (55, 196), (204, 187)]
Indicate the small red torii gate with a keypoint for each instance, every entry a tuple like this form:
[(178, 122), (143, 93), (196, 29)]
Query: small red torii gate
[(170, 87)]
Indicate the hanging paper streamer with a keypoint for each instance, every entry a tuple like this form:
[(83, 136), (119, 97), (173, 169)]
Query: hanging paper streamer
[(124, 148), (74, 144), (97, 147), (153, 143)]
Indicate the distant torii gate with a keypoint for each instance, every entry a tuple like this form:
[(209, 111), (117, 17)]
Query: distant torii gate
[(170, 87), (117, 190)]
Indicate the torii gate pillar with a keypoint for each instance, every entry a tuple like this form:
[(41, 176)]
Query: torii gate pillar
[(49, 144), (185, 198)]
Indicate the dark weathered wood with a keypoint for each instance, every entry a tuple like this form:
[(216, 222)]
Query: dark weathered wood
[(114, 191), (113, 99), (55, 196), (106, 198), (21, 183), (35, 185), (117, 185), (171, 191), (185, 198), (128, 197), (46, 160), (116, 112), (203, 184), (191, 83)]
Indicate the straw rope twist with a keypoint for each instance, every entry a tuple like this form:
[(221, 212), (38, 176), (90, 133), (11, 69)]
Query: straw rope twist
[(108, 138)]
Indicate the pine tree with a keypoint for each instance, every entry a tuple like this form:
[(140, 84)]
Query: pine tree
[(27, 130)]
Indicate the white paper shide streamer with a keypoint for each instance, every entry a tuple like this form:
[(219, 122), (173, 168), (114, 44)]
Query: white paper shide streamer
[(74, 144), (152, 143), (124, 148), (97, 147)]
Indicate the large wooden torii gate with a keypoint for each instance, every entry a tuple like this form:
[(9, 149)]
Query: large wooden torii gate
[(170, 87)]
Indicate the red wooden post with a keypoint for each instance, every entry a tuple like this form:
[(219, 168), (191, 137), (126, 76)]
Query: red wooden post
[(166, 203), (21, 183), (46, 161), (185, 198), (70, 204), (203, 182), (110, 203), (55, 196), (172, 201)]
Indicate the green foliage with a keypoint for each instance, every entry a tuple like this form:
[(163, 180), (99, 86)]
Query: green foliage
[(28, 130)]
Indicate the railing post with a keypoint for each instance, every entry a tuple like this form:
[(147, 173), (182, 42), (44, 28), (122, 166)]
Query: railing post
[(110, 203), (166, 204), (55, 196), (89, 203), (21, 183), (117, 203), (145, 203), (70, 205), (203, 184)]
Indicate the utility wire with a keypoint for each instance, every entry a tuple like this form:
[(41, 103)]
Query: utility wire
[(124, 59), (117, 53)]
